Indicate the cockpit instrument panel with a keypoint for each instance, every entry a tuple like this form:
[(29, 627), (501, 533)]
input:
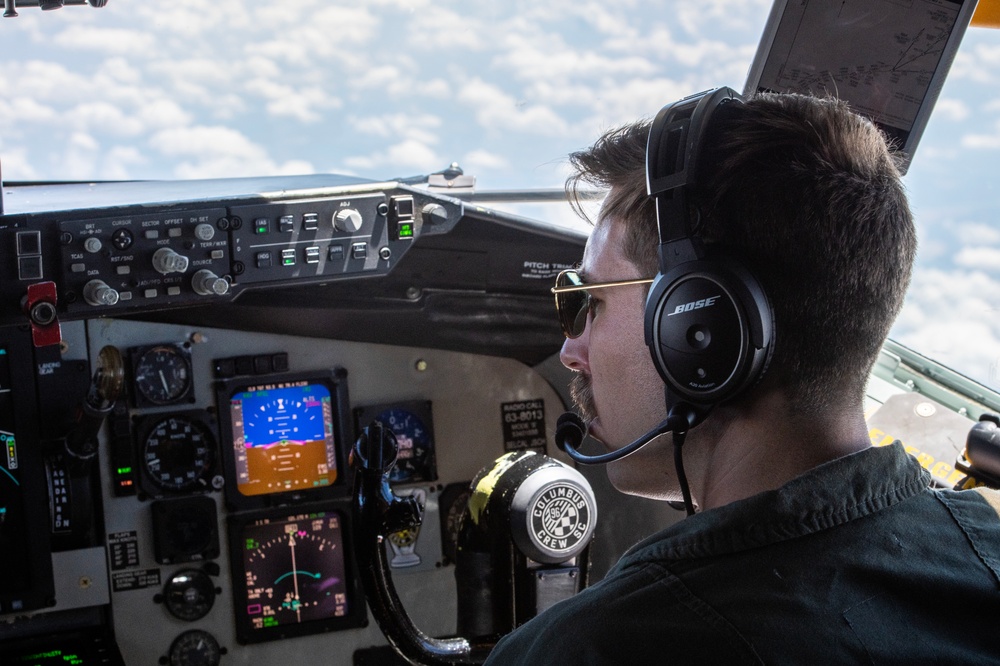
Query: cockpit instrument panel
[(284, 437)]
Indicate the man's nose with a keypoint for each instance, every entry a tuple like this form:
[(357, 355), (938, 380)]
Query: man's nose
[(574, 353)]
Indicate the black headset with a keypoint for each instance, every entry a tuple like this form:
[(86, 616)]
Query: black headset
[(709, 326)]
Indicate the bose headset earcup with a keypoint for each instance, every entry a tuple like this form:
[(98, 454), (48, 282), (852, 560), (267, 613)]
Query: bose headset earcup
[(708, 323), (708, 327)]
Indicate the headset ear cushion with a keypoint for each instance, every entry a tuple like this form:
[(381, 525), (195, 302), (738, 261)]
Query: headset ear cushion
[(709, 329)]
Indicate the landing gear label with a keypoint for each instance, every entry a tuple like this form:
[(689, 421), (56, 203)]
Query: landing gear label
[(523, 425)]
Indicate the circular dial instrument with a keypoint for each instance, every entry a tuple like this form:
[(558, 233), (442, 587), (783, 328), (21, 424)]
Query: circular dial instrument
[(189, 594), (195, 648), (177, 452), (163, 375), (295, 571), (415, 459)]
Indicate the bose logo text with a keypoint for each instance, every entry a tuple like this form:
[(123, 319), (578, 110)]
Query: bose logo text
[(695, 305)]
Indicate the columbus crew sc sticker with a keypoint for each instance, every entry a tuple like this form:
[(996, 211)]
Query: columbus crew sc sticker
[(560, 518)]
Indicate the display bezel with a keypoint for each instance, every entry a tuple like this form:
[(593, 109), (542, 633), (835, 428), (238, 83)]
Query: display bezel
[(335, 382), (770, 55), (357, 614), (38, 588)]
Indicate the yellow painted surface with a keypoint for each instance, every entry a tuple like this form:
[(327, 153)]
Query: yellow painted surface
[(987, 14)]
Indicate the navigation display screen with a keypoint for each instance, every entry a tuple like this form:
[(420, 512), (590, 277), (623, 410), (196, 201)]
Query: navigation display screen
[(283, 437), (291, 575), (887, 58)]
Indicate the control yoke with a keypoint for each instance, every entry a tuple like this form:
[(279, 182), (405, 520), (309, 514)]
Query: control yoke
[(523, 545), (378, 512)]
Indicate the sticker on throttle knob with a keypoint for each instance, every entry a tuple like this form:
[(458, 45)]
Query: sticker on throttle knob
[(560, 519)]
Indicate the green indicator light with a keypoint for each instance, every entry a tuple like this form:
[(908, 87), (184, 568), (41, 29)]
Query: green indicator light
[(288, 261), (124, 470), (270, 622), (406, 230)]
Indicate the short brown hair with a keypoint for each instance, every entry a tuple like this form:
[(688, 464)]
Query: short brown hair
[(808, 196)]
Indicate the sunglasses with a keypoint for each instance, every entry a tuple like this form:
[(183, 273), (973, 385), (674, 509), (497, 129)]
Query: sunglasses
[(573, 299)]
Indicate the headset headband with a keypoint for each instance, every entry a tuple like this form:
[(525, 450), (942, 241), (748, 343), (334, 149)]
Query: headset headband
[(672, 160)]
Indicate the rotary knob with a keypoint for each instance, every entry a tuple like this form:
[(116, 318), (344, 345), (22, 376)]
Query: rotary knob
[(97, 292), (204, 232), (167, 261), (207, 283), (348, 220)]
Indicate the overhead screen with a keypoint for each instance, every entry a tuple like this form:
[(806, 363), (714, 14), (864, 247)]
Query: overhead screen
[(887, 58)]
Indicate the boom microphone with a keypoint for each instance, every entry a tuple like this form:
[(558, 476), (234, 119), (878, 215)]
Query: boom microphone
[(570, 431)]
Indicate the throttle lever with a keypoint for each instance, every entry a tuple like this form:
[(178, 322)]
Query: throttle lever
[(377, 513)]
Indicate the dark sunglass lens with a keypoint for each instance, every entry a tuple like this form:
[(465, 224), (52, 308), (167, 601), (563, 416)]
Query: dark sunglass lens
[(573, 312)]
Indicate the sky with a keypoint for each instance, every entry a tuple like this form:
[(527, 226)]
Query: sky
[(184, 89)]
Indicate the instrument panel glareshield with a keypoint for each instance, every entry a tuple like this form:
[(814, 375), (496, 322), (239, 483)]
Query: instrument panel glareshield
[(284, 437)]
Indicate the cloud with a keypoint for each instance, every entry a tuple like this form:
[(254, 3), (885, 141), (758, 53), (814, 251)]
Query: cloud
[(304, 104), (481, 160), (219, 152), (16, 165), (952, 109), (403, 157), (952, 317), (498, 111), (978, 233), (983, 258), (983, 141), (436, 28), (399, 125), (111, 40)]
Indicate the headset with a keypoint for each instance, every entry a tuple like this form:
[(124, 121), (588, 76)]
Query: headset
[(708, 323)]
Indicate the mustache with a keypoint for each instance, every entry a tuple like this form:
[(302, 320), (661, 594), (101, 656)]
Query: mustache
[(582, 392)]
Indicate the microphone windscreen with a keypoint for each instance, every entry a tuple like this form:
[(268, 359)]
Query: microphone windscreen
[(570, 429)]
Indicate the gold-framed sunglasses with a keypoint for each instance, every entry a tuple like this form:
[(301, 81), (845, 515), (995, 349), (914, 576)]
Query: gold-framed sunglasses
[(573, 299)]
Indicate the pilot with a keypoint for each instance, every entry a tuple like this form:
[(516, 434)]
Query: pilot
[(809, 545)]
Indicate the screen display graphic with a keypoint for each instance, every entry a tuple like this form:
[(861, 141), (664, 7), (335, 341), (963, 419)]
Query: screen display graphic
[(292, 577), (283, 437)]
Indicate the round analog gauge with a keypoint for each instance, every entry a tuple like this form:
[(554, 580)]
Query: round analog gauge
[(415, 459), (195, 648), (163, 374), (189, 594), (178, 452)]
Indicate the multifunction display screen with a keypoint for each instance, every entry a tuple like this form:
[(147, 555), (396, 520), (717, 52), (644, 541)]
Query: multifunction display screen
[(292, 576), (283, 437)]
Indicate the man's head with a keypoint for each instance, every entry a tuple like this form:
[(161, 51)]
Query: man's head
[(807, 196)]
